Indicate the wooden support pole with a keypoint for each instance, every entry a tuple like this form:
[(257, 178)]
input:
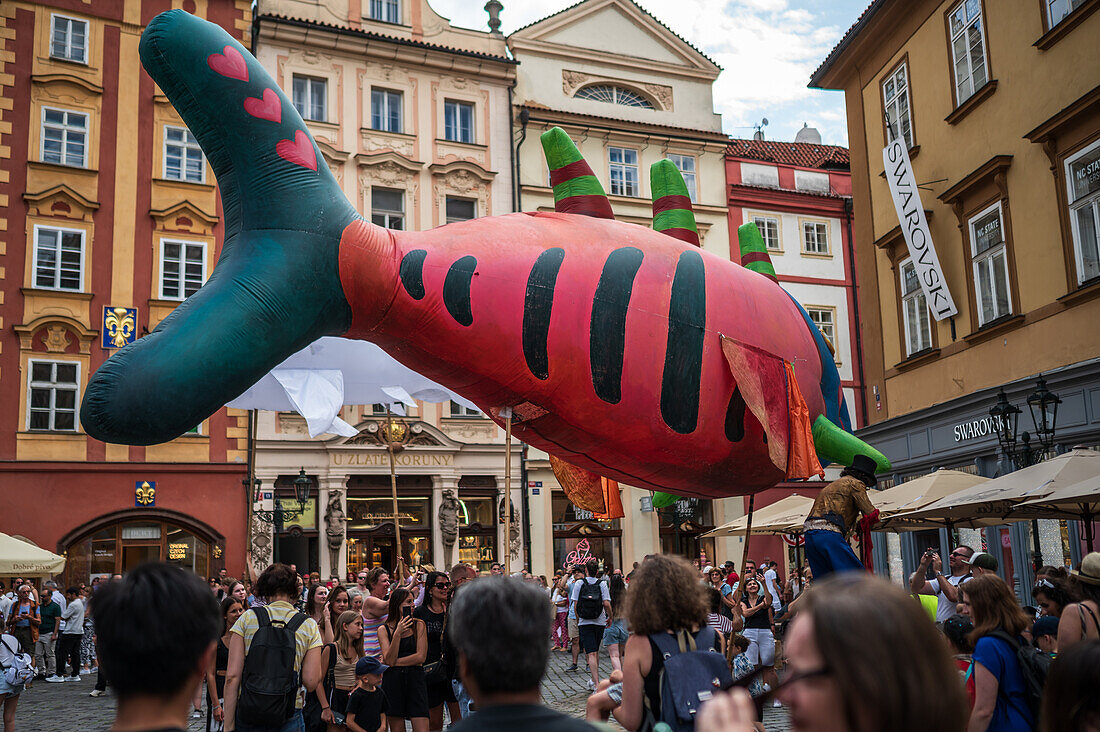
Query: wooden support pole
[(393, 490)]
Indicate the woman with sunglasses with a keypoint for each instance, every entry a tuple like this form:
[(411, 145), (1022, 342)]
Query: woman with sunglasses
[(861, 657), (437, 670)]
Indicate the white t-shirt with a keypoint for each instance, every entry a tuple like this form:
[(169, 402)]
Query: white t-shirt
[(605, 596), (777, 596), (945, 608), (556, 598)]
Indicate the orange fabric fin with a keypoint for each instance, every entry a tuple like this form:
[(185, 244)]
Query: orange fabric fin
[(586, 490), (802, 460), (762, 380)]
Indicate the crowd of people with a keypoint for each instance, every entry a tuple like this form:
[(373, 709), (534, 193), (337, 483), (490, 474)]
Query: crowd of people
[(413, 649)]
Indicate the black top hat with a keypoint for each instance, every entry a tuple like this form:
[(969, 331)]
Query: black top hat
[(866, 466)]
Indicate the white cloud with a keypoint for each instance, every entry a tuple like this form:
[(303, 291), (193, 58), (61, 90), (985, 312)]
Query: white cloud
[(767, 49)]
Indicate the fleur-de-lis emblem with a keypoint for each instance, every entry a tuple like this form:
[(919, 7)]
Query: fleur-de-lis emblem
[(145, 493), (217, 551), (120, 325)]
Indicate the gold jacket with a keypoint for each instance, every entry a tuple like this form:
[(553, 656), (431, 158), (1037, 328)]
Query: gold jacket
[(841, 502)]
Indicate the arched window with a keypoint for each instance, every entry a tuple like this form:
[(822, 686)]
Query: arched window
[(612, 94)]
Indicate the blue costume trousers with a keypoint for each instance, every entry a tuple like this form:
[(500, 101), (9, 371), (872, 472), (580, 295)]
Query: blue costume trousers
[(828, 552)]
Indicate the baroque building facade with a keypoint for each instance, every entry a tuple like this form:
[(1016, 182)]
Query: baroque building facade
[(109, 218), (412, 116)]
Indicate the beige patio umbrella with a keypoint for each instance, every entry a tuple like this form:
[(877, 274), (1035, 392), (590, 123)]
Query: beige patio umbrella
[(918, 493), (1079, 501), (26, 560), (991, 503), (782, 517)]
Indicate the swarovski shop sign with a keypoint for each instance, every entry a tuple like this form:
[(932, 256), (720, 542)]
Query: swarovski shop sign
[(914, 227)]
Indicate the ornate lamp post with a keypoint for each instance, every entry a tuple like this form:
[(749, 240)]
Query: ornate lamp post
[(1043, 405), (277, 516)]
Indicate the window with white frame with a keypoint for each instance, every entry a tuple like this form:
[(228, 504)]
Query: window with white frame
[(183, 159), (989, 257), (385, 110), (387, 11), (612, 94), (914, 310), (457, 410), (1057, 10), (624, 171), (182, 268), (769, 230), (967, 49), (686, 165), (1083, 183), (825, 320), (64, 136), (815, 237), (895, 97), (58, 258), (310, 93), (458, 121), (69, 39), (387, 208), (52, 391), (460, 209)]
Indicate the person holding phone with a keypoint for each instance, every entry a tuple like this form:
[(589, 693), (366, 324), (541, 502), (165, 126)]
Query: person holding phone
[(404, 643)]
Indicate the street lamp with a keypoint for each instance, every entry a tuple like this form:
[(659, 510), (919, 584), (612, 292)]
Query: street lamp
[(302, 485), (1043, 405)]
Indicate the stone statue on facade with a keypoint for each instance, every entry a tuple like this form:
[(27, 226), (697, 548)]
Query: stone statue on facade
[(335, 520), (448, 523)]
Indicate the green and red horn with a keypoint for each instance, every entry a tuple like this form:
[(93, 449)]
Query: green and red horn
[(672, 212), (576, 188), (754, 255)]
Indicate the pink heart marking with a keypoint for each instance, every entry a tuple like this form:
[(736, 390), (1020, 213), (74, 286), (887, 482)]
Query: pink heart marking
[(267, 107), (229, 63), (298, 151)]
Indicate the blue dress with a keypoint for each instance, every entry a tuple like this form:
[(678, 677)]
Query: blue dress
[(1012, 713)]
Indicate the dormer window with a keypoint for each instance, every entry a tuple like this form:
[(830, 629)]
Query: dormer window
[(611, 94)]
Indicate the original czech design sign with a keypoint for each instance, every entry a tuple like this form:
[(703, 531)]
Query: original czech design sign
[(914, 226)]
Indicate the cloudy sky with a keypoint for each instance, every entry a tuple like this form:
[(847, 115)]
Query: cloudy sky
[(767, 48)]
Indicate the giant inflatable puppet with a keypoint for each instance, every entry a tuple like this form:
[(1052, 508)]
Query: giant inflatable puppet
[(625, 352)]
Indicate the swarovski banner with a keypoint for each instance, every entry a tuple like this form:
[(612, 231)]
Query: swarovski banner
[(914, 227)]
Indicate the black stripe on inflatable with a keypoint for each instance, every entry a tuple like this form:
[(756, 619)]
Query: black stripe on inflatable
[(456, 290), (687, 317), (537, 304), (735, 417), (607, 329), (412, 273)]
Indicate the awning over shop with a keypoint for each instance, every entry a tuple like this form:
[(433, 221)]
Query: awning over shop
[(20, 558)]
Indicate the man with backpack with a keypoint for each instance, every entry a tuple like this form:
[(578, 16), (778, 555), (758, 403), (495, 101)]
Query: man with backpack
[(592, 601), (274, 651)]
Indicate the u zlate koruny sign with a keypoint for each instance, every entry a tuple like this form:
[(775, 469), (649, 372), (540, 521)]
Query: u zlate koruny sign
[(914, 227)]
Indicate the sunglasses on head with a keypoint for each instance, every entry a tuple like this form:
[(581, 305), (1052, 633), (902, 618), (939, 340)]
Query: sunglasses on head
[(1045, 583)]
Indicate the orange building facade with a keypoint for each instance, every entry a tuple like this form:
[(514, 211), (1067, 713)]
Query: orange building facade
[(109, 218)]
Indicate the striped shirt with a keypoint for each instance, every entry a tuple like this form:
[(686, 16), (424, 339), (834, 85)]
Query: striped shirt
[(305, 638), (370, 635)]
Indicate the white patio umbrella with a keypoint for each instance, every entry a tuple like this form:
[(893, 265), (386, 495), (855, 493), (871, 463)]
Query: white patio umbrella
[(991, 503), (1080, 501), (918, 493), (21, 558), (785, 516), (331, 372)]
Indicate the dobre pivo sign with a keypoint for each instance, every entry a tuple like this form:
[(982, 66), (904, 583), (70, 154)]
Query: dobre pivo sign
[(914, 227)]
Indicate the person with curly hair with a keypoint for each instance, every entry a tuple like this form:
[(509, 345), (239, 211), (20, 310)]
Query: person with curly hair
[(665, 596), (1051, 596)]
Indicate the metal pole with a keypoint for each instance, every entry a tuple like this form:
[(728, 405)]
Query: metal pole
[(393, 487), (508, 494)]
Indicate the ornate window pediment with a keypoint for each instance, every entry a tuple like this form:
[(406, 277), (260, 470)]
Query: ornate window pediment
[(60, 201)]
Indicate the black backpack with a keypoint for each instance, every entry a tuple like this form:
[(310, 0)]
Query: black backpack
[(269, 683), (1034, 666), (589, 600), (693, 671)]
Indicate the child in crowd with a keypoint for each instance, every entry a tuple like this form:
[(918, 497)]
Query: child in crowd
[(1044, 634), (366, 711), (742, 667), (957, 630)]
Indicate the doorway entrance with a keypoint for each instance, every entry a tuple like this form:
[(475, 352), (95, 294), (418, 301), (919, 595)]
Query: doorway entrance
[(135, 554)]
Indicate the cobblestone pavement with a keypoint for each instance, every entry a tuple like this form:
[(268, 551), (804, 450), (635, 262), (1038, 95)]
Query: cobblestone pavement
[(65, 707)]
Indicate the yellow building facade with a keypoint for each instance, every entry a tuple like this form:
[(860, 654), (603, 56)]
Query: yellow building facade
[(998, 105)]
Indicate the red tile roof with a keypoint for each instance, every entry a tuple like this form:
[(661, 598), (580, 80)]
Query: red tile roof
[(801, 154)]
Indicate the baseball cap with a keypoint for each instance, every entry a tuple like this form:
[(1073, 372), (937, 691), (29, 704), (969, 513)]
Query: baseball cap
[(369, 665), (983, 560), (1046, 625)]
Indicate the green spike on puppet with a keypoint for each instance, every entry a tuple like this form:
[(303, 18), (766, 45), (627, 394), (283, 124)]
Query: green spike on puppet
[(576, 188), (838, 446), (663, 500), (754, 255), (672, 212)]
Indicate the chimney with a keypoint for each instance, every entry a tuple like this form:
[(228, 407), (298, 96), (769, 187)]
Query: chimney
[(758, 136), (493, 8)]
